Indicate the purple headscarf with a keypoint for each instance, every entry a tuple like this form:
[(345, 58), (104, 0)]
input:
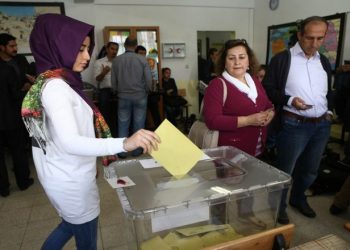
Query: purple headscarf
[(55, 42)]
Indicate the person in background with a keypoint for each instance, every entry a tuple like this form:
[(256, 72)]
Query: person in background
[(261, 72), (64, 124), (132, 79), (15, 82), (209, 68), (102, 74), (23, 70), (141, 50), (242, 119), (172, 109), (8, 54), (153, 96), (11, 131), (298, 82)]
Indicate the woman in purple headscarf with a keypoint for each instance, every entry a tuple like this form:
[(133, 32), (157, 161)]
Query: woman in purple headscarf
[(64, 125)]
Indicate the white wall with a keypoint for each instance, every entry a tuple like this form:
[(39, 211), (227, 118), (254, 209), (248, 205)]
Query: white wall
[(178, 20), (290, 11)]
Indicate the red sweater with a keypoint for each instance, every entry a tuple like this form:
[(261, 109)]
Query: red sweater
[(224, 118)]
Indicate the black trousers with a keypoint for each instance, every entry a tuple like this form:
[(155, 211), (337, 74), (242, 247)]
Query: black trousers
[(14, 139), (152, 103), (104, 103)]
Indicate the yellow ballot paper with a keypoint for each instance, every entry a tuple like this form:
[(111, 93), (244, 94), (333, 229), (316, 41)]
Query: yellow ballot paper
[(176, 152)]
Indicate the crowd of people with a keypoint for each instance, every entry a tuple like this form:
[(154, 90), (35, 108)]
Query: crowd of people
[(280, 106)]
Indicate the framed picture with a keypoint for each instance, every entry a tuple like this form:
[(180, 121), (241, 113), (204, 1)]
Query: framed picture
[(283, 36), (174, 50), (17, 19), (279, 38), (179, 50)]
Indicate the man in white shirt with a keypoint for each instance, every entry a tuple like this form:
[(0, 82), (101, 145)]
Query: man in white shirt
[(298, 82), (102, 74)]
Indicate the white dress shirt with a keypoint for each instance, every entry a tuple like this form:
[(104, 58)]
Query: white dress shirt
[(308, 80), (98, 66)]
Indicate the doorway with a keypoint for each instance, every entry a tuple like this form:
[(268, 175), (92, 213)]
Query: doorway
[(205, 41)]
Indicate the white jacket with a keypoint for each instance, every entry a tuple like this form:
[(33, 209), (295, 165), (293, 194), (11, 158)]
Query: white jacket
[(68, 170)]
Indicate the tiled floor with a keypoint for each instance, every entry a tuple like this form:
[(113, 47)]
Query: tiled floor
[(26, 219)]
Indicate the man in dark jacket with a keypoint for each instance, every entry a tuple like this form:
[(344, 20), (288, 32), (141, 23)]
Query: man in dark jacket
[(11, 132), (298, 82)]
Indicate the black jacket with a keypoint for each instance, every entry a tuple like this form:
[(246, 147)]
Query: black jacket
[(276, 78), (10, 98)]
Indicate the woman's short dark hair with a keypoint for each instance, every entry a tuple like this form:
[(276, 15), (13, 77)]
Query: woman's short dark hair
[(253, 62)]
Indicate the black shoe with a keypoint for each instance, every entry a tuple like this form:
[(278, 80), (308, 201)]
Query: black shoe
[(336, 210), (5, 192), (283, 217), (304, 209), (26, 184)]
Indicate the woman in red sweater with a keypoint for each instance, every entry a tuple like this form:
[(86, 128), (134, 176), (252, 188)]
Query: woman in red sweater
[(242, 119)]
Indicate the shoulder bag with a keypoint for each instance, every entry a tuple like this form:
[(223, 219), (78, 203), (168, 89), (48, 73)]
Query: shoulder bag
[(200, 134)]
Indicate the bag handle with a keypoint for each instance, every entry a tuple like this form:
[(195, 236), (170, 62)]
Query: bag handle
[(223, 99)]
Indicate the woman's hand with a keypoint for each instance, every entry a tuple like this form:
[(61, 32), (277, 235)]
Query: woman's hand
[(270, 115), (145, 139), (260, 119)]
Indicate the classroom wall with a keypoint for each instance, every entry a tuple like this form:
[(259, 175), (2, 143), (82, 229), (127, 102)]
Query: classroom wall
[(290, 11), (178, 21)]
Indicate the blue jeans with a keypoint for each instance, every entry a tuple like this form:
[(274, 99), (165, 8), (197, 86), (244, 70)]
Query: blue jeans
[(85, 236), (300, 146), (138, 110), (127, 108)]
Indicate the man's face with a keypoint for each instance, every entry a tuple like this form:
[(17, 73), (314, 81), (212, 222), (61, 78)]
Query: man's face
[(142, 52), (112, 51), (214, 56), (312, 38), (10, 49)]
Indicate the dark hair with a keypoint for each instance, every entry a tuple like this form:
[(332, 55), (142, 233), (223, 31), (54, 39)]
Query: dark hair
[(164, 69), (262, 67), (109, 44), (308, 20), (130, 41), (5, 38), (212, 51), (140, 47), (253, 62)]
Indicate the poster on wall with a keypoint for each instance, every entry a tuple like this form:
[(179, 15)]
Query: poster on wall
[(17, 19), (283, 36)]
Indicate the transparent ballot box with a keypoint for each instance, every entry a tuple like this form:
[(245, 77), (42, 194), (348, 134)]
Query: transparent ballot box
[(226, 196)]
